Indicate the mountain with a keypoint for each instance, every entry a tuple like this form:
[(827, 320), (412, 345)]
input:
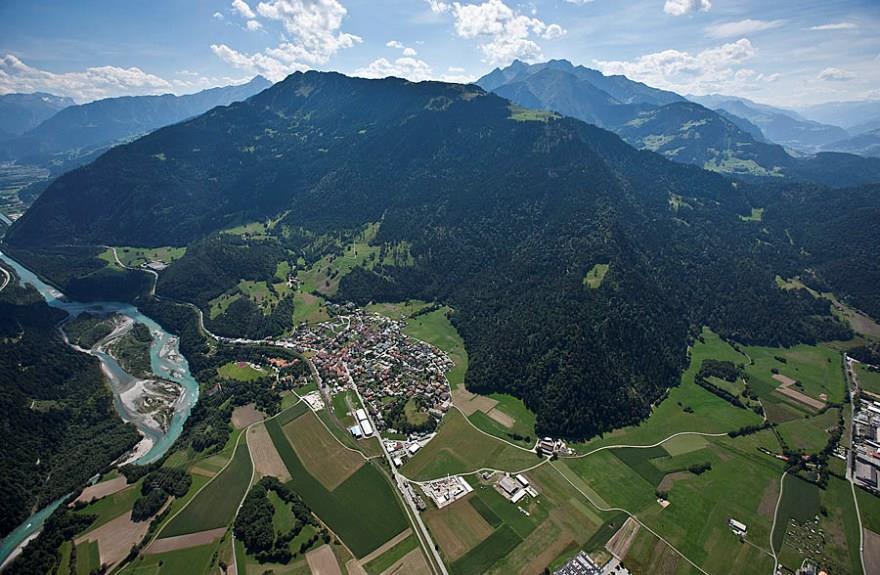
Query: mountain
[(667, 123), (849, 115), (81, 130), (22, 112), (864, 144), (503, 213), (780, 126)]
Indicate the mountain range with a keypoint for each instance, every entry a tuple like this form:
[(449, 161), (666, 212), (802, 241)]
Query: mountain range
[(78, 133), (22, 112), (504, 212), (683, 131)]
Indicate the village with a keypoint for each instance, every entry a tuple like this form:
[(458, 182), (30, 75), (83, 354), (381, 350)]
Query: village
[(865, 438)]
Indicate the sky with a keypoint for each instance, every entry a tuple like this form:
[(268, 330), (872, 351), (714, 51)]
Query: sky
[(781, 52)]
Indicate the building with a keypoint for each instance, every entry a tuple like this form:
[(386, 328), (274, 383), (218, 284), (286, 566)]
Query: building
[(508, 486), (580, 564), (355, 430), (737, 527)]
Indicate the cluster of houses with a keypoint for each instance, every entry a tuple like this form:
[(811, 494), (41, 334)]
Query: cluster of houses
[(372, 353), (400, 451)]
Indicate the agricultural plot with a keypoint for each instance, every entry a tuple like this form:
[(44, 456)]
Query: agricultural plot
[(113, 505), (509, 418), (135, 257), (383, 562), (459, 527), (811, 434), (216, 504), (816, 371), (459, 448), (869, 380), (194, 560), (362, 510), (323, 457), (241, 371), (88, 559), (594, 278)]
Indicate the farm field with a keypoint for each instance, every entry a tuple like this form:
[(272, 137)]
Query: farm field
[(240, 371), (134, 257), (363, 509), (392, 556), (88, 558), (459, 448), (323, 457), (216, 504), (194, 560), (868, 380), (112, 506)]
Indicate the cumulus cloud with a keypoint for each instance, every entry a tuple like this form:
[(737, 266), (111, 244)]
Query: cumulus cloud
[(835, 26), (741, 28), (218, 16), (243, 9), (253, 25), (409, 52), (716, 69), (412, 69), (504, 33), (394, 44), (90, 84), (581, 2), (835, 75), (315, 33), (682, 7)]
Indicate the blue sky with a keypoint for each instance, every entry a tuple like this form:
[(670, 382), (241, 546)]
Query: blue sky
[(791, 53)]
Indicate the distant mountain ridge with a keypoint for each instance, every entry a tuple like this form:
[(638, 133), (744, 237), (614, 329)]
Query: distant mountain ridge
[(669, 124), (81, 130), (778, 125), (22, 112)]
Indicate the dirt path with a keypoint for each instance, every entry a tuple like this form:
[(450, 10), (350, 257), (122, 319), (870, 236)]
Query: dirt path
[(386, 546)]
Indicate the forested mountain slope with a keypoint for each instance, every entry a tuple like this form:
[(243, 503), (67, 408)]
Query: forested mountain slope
[(22, 112), (503, 210)]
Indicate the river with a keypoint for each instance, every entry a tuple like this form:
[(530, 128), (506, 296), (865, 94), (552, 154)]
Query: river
[(166, 362)]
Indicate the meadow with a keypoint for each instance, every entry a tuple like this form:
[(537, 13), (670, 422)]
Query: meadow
[(240, 371)]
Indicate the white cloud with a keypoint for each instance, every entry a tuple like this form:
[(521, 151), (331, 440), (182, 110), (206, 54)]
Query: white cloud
[(412, 69), (741, 28), (315, 37), (218, 16), (835, 26), (409, 52), (580, 2), (505, 34), (394, 44), (835, 75), (716, 69), (682, 7), (243, 9), (253, 25), (90, 84)]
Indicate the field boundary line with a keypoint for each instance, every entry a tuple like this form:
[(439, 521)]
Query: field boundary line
[(775, 516), (654, 533), (661, 442)]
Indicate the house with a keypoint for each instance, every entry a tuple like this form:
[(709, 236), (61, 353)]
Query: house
[(737, 527)]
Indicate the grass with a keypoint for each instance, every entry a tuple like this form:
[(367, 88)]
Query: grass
[(817, 368), (639, 460), (243, 372), (485, 554), (868, 380), (485, 511), (399, 310), (520, 114), (523, 420), (216, 504), (363, 510), (194, 560), (112, 506), (134, 257), (593, 279), (88, 558), (414, 416), (64, 562), (800, 501), (459, 448), (808, 434), (869, 509), (323, 457), (392, 556), (756, 216)]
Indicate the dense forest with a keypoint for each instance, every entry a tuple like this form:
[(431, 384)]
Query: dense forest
[(504, 214), (58, 421)]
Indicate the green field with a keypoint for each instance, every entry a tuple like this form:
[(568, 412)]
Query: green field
[(868, 380), (392, 556), (243, 372), (593, 279), (486, 553), (195, 561), (436, 329), (216, 504), (134, 257), (363, 510), (459, 448), (756, 216), (809, 434), (800, 501), (523, 426), (88, 557), (818, 370), (112, 506), (869, 509)]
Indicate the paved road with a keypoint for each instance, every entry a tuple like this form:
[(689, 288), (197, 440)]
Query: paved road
[(853, 388), (6, 279)]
